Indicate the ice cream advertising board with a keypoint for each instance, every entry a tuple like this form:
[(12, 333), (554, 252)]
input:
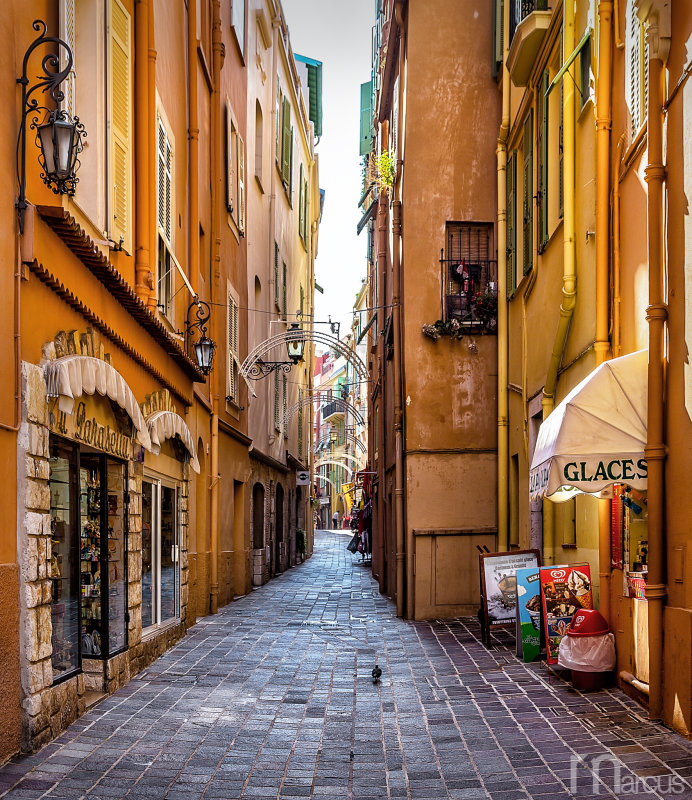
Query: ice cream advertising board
[(564, 590), (499, 586), (529, 608)]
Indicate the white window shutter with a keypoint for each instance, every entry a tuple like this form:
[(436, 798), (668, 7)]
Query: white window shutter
[(232, 348), (69, 36), (229, 160), (241, 184)]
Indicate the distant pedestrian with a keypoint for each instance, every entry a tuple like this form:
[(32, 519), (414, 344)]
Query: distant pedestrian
[(335, 520)]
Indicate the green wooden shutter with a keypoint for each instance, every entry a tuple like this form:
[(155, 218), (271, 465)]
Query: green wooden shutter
[(276, 273), (498, 35), (527, 230), (365, 118), (283, 292), (561, 160), (542, 153), (511, 222), (286, 142), (301, 206)]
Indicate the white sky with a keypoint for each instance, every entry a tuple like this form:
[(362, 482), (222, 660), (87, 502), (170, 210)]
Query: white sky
[(338, 34)]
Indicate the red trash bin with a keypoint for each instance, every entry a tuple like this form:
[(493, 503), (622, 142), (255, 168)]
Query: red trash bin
[(588, 651)]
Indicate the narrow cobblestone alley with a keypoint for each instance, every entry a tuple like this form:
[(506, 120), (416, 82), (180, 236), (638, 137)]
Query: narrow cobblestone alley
[(273, 698)]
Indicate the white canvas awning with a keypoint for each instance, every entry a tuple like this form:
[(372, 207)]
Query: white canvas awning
[(164, 425), (596, 436), (70, 377)]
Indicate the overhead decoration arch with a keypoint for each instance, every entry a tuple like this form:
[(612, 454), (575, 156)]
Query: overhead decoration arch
[(250, 368), (336, 464), (349, 437), (351, 458), (344, 405), (70, 377), (322, 478), (164, 425)]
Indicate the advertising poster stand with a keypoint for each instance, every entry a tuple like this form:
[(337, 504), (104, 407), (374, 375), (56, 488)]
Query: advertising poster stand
[(529, 613), (564, 590), (499, 587)]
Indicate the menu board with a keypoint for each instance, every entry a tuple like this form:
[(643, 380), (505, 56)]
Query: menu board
[(564, 590), (529, 612), (499, 586)]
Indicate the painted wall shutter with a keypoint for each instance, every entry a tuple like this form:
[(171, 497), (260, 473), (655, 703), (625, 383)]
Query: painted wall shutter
[(232, 347), (284, 404), (542, 145), (276, 273), (511, 221), (120, 120), (394, 139), (365, 118), (68, 35), (634, 69), (283, 292), (290, 171), (241, 184), (301, 423), (286, 142), (527, 231)]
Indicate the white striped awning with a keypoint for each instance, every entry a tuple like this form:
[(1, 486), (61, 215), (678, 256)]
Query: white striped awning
[(164, 425), (70, 377)]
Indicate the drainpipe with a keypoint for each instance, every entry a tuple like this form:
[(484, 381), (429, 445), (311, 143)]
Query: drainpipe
[(602, 343), (569, 274), (193, 137), (216, 375), (617, 348), (502, 309), (403, 551), (143, 275), (658, 40), (152, 133), (381, 365)]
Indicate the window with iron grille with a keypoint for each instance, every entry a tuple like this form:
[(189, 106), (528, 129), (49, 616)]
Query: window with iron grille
[(469, 273)]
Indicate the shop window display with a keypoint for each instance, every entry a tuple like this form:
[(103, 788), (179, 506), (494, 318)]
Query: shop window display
[(160, 553), (629, 545), (88, 522)]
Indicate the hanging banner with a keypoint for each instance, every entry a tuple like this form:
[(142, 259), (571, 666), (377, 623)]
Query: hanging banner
[(499, 586), (564, 590), (529, 612)]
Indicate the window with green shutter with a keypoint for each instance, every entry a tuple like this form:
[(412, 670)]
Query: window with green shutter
[(276, 273), (542, 166), (366, 130), (527, 191), (498, 35), (283, 291), (286, 142), (511, 185), (301, 205)]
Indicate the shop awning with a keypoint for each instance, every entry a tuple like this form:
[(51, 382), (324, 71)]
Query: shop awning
[(164, 425), (70, 377), (597, 434)]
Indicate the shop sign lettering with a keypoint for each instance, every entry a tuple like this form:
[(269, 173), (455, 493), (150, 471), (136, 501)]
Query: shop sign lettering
[(89, 431), (621, 470)]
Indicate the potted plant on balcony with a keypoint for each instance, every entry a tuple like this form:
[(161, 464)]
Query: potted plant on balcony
[(451, 328), (485, 308)]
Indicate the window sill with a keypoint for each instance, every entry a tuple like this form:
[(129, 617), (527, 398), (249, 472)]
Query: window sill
[(155, 630)]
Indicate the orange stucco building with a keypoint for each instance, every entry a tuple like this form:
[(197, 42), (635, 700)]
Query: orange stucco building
[(127, 465), (430, 205)]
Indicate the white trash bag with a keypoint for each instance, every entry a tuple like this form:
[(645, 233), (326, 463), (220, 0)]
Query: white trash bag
[(587, 653)]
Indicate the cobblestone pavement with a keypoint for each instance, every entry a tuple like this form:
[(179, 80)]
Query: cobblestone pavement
[(273, 698)]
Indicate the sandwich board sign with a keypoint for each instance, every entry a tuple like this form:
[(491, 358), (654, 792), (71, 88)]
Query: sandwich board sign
[(499, 586)]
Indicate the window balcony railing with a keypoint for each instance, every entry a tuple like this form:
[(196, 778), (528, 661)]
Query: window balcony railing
[(332, 409), (470, 289), (520, 9)]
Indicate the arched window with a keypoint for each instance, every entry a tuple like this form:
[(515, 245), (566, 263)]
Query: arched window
[(258, 516)]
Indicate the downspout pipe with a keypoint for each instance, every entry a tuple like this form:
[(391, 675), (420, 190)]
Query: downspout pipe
[(569, 269), (152, 134), (502, 308), (404, 537), (404, 556), (604, 125), (193, 139), (143, 274), (216, 375), (658, 40)]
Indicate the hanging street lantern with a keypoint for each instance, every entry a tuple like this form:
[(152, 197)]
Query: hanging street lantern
[(204, 346)]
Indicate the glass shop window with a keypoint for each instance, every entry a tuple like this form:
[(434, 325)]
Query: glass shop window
[(88, 556), (64, 563), (160, 553)]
